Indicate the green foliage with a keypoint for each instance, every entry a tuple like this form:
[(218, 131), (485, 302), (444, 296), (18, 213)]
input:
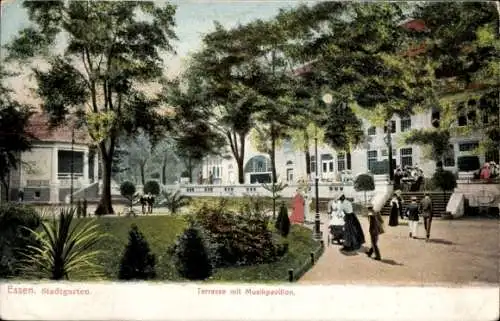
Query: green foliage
[(13, 237), (283, 221), (174, 201), (152, 187), (127, 190), (275, 189), (192, 255), (119, 46), (137, 263), (238, 239), (65, 249), (438, 139), (364, 182), (445, 180)]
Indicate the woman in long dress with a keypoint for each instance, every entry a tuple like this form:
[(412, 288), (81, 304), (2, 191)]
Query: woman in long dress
[(393, 217), (353, 233)]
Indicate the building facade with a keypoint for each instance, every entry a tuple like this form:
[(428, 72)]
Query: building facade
[(44, 173), (335, 166)]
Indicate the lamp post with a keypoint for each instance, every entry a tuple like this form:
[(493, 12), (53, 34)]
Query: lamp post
[(317, 220), (388, 141)]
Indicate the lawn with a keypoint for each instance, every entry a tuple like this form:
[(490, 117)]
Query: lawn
[(162, 231)]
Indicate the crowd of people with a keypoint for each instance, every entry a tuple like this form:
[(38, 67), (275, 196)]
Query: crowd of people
[(352, 232), (408, 178)]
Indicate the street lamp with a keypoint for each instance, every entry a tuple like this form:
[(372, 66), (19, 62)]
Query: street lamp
[(388, 141), (72, 164)]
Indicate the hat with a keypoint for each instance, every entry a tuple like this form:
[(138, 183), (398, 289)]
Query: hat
[(413, 198), (369, 206)]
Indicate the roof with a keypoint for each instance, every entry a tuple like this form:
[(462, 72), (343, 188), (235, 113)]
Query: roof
[(38, 126)]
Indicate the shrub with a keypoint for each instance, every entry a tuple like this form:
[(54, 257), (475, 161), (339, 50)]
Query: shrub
[(174, 201), (192, 257), (127, 190), (65, 249), (152, 187), (137, 263), (364, 183), (238, 239), (283, 222), (13, 217), (444, 180)]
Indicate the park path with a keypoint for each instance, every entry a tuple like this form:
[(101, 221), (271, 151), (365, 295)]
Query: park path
[(461, 252)]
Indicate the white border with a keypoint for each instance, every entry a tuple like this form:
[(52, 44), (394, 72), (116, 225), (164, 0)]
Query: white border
[(155, 301)]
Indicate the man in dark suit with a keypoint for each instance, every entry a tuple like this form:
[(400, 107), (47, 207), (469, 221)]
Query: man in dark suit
[(376, 228)]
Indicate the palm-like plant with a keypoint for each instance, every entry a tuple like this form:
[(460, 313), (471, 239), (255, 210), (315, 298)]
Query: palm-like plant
[(174, 200), (63, 249)]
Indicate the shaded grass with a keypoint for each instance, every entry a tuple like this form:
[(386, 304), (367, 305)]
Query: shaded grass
[(162, 231)]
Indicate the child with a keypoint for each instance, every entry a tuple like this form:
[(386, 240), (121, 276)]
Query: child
[(376, 228)]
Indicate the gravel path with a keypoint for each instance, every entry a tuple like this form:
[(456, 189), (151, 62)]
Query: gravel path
[(461, 252)]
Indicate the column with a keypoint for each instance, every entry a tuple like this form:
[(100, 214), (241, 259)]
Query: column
[(96, 166), (86, 167), (54, 181)]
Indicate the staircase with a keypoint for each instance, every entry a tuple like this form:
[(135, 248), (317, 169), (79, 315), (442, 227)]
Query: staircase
[(439, 201)]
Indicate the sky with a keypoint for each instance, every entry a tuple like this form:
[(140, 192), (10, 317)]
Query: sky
[(194, 18)]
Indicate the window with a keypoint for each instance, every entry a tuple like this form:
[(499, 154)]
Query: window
[(37, 195), (435, 119), (327, 162), (341, 162), (64, 162), (406, 156), (449, 157), (372, 159), (372, 131), (468, 147), (405, 124), (313, 164), (393, 127), (331, 166), (462, 120)]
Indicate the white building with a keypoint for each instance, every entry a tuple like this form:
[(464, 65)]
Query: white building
[(291, 166), (44, 172)]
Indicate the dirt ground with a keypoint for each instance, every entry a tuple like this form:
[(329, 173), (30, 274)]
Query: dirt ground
[(460, 252)]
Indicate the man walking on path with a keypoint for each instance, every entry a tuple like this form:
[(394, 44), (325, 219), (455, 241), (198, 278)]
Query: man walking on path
[(412, 213), (376, 228), (426, 209)]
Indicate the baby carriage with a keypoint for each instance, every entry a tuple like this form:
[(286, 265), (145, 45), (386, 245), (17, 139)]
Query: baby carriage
[(336, 225)]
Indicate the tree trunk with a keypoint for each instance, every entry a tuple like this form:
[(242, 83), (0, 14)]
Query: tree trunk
[(273, 157), (365, 197), (164, 171), (105, 206), (240, 160), (308, 154), (190, 170), (5, 191), (141, 170)]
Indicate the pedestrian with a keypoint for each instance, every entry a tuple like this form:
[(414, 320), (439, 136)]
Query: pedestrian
[(376, 228), (150, 201), (393, 217), (426, 210), (400, 204), (353, 233), (398, 175), (413, 217), (143, 201), (20, 196)]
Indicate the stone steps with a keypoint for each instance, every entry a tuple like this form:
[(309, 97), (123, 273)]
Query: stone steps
[(439, 201)]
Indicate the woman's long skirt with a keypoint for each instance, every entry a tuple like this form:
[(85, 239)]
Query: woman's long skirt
[(353, 233), (393, 217)]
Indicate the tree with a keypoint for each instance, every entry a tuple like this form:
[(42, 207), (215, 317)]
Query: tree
[(152, 187), (110, 55), (227, 65), (192, 135), (438, 139), (192, 257), (275, 189), (364, 182), (283, 222), (139, 152), (137, 263), (14, 138), (127, 190), (65, 250), (464, 44)]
